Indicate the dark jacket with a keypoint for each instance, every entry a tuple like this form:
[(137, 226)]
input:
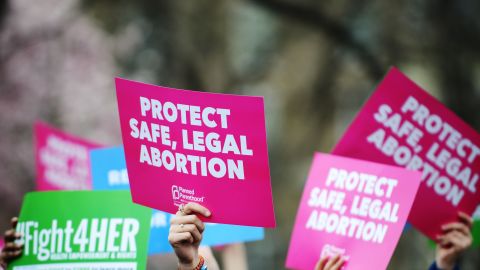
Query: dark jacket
[(435, 267)]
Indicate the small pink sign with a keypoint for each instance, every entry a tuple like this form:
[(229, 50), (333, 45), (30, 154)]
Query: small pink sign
[(2, 244), (185, 146), (62, 160), (354, 208), (403, 125)]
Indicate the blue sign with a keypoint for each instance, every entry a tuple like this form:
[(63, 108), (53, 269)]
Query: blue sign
[(109, 171)]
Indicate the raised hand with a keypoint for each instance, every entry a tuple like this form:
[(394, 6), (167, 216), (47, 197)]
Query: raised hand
[(456, 238), (186, 234), (11, 250)]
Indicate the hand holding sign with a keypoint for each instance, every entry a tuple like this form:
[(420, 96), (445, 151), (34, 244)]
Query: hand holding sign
[(11, 250), (403, 125), (352, 208), (185, 146), (186, 234), (456, 239)]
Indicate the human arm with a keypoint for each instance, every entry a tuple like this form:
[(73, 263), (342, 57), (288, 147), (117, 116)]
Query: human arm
[(234, 257), (185, 236)]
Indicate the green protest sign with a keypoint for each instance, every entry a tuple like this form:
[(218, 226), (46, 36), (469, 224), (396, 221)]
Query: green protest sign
[(476, 227), (83, 230), (476, 233)]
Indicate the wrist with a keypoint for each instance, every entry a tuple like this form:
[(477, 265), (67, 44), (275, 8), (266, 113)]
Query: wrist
[(196, 264), (445, 265), (188, 265), (188, 260)]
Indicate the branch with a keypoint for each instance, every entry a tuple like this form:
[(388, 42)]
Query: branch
[(332, 28)]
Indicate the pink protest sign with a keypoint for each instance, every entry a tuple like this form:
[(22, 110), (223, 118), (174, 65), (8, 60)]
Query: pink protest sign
[(403, 125), (62, 160), (185, 146), (354, 208)]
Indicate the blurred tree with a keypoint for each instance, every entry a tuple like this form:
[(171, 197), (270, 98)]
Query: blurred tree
[(323, 60)]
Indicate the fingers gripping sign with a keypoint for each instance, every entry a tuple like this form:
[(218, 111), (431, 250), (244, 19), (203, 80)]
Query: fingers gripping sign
[(186, 230), (12, 250), (192, 208), (456, 238), (334, 263)]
